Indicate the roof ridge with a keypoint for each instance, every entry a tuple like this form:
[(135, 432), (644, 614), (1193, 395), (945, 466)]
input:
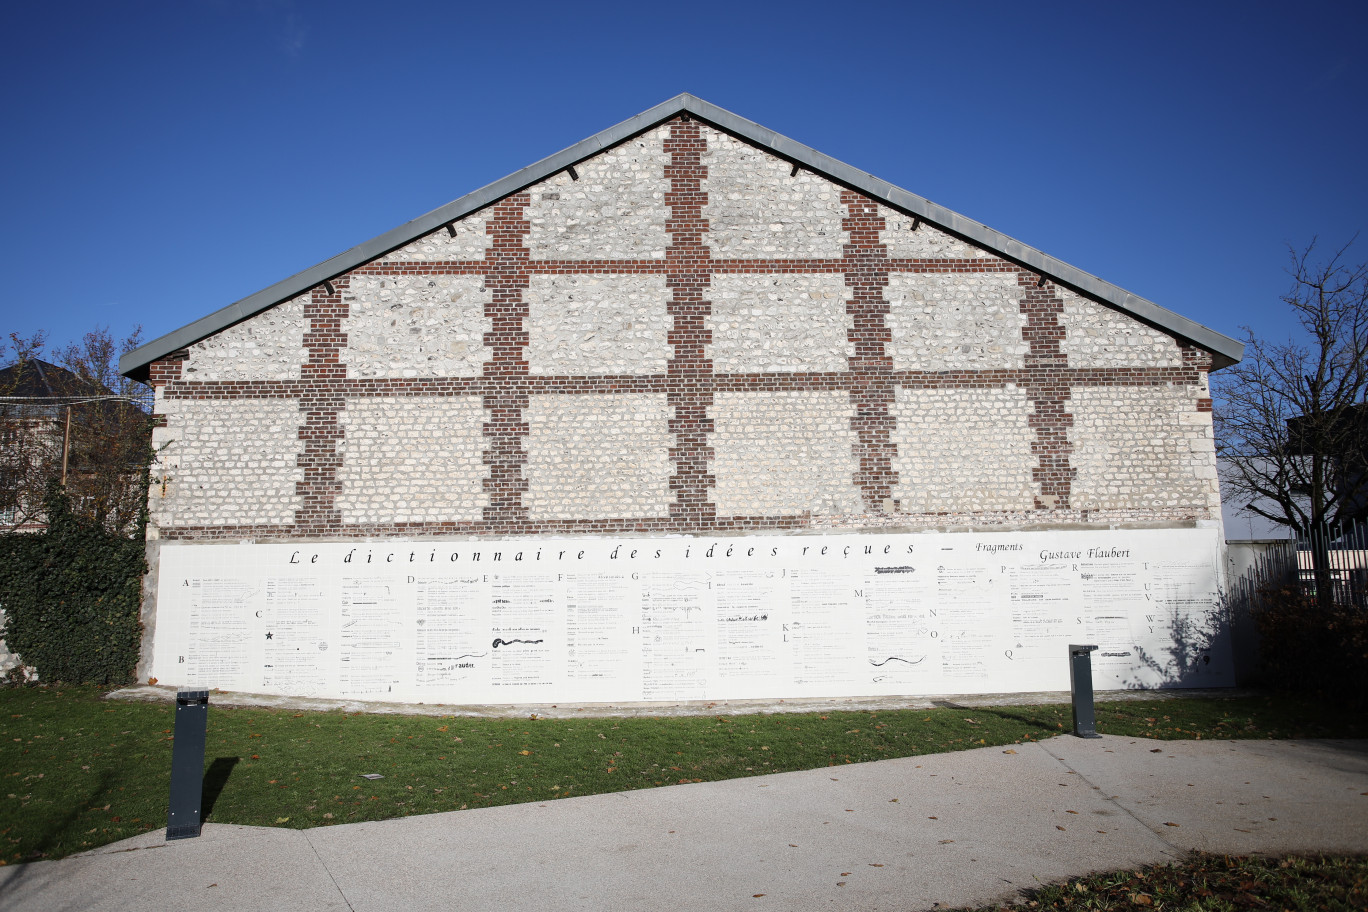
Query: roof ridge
[(1226, 351)]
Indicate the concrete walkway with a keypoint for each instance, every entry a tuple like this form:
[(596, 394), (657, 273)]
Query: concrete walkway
[(949, 829)]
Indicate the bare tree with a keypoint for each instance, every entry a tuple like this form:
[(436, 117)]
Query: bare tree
[(1290, 418), (29, 454), (84, 425), (1291, 423)]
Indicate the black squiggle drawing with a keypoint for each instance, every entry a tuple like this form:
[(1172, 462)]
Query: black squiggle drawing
[(468, 655), (896, 659), (500, 642)]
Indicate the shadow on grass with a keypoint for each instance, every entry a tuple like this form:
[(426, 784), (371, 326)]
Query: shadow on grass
[(1019, 715), (214, 781), (54, 832)]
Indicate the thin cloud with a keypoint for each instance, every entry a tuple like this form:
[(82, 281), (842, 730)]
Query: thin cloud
[(289, 32)]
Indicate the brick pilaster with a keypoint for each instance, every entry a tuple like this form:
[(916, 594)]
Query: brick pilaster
[(506, 279), (160, 373), (871, 390), (320, 405), (1047, 386), (689, 370)]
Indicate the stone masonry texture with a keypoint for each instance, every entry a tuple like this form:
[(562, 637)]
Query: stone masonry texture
[(598, 456), (411, 459), (682, 334), (609, 324), (226, 462)]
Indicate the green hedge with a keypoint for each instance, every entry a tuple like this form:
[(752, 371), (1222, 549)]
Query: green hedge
[(71, 597), (1307, 648)]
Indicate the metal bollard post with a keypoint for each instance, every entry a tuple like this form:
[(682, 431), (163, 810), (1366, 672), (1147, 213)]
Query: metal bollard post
[(187, 765), (1081, 686)]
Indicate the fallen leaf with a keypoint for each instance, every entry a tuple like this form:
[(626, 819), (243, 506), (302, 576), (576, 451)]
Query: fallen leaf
[(875, 865), (1071, 812), (1058, 827), (1009, 752), (1141, 899), (793, 845), (256, 756), (154, 681), (845, 873), (282, 820), (840, 883), (756, 895), (1157, 750), (1166, 823), (443, 728), (892, 800), (933, 818), (946, 841)]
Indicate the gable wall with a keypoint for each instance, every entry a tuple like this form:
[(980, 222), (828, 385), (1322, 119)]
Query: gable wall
[(687, 338)]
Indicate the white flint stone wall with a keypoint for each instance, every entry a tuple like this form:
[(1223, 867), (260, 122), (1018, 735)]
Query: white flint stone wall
[(597, 456), (954, 321), (756, 208), (780, 453), (586, 324), (412, 459), (469, 243), (765, 323), (226, 462), (267, 346), (616, 210), (1097, 336), (926, 242), (1142, 448), (1140, 452), (415, 326), (963, 451)]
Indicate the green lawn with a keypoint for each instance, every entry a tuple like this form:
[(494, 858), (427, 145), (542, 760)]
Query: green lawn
[(79, 771)]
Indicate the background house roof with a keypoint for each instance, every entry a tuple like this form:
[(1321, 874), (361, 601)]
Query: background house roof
[(1225, 350), (34, 378)]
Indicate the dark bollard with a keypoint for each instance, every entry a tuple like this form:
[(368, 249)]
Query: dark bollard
[(187, 764), (1081, 686)]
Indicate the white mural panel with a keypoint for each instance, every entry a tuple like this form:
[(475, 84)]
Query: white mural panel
[(598, 620)]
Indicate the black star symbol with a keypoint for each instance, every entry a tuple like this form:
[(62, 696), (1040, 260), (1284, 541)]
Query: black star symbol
[(269, 635)]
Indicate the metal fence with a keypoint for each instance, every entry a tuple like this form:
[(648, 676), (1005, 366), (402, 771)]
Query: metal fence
[(1332, 560), (1331, 557), (1335, 557)]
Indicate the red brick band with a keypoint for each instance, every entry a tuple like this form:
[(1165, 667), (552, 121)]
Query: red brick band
[(758, 266), (524, 527), (356, 388)]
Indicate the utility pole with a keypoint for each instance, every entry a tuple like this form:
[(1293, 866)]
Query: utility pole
[(66, 445)]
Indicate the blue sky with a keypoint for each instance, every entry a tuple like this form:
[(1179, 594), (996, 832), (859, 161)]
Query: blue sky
[(164, 159)]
